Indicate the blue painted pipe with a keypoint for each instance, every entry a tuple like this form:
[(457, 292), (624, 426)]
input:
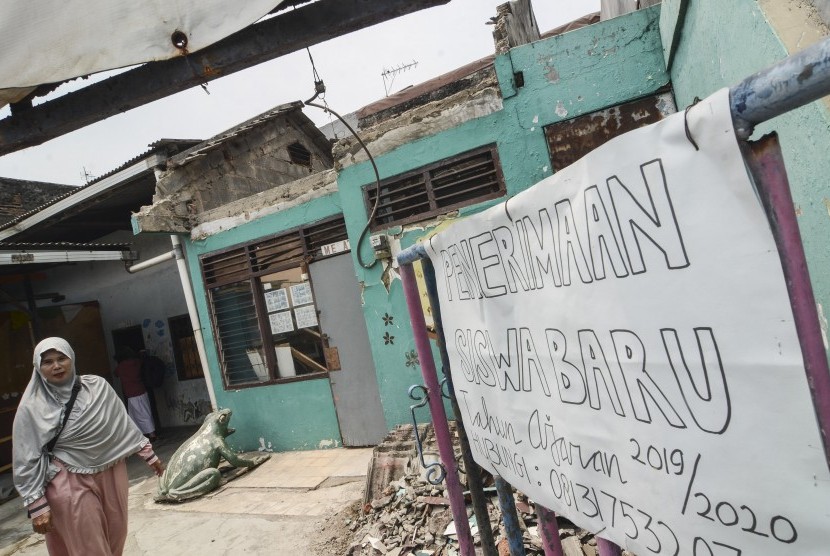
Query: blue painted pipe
[(795, 81), (510, 517)]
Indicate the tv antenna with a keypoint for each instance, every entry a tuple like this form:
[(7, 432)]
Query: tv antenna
[(391, 73), (87, 175)]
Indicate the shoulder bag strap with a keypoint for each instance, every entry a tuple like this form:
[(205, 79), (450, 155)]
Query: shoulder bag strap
[(76, 387)]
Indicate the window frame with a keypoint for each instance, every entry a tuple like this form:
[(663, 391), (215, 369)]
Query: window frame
[(253, 277), (424, 172)]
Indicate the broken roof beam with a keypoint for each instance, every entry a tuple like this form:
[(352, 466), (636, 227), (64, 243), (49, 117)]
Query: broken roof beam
[(515, 25), (272, 38)]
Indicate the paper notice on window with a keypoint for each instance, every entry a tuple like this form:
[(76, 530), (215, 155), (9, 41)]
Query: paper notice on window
[(301, 294), (624, 352), (281, 322), (306, 316), (276, 300)]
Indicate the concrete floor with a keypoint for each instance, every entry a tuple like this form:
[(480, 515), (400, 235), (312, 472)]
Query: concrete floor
[(275, 509)]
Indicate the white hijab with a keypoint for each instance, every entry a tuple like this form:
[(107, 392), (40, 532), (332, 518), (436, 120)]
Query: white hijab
[(97, 435)]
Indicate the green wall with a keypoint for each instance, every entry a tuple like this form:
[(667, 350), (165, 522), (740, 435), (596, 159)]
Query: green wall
[(291, 416), (565, 76), (720, 44)]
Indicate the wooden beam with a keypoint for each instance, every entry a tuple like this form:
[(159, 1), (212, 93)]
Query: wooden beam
[(308, 361), (272, 38)]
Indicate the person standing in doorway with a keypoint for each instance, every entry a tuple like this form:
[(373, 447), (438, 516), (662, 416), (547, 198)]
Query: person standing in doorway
[(71, 436), (138, 402)]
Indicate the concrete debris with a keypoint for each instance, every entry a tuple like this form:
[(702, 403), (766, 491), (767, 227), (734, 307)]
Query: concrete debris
[(410, 517)]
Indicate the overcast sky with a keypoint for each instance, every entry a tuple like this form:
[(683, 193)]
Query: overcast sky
[(438, 39)]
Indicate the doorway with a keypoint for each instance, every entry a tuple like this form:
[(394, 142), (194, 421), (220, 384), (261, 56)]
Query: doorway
[(354, 387), (133, 337)]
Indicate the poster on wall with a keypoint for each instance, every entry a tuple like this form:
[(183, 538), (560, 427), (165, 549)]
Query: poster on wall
[(281, 322), (301, 294), (306, 316), (623, 349), (276, 300)]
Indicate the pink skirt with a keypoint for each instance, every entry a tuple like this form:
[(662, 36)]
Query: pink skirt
[(89, 512)]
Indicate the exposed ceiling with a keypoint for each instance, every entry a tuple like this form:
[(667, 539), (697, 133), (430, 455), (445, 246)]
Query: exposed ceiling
[(285, 32)]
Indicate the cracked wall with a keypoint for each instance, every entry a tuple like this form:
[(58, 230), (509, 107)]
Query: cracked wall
[(237, 168)]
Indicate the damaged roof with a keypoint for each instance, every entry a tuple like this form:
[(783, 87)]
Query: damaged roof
[(291, 111), (97, 208)]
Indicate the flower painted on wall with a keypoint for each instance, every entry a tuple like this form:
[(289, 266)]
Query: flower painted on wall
[(412, 359), (388, 319), (388, 339)]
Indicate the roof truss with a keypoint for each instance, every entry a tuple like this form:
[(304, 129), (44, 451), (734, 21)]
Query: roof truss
[(282, 34)]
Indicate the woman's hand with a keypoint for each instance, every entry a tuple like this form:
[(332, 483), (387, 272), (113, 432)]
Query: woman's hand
[(42, 523), (158, 467)]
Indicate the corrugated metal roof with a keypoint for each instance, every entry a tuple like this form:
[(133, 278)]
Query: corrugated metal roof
[(157, 147), (64, 245)]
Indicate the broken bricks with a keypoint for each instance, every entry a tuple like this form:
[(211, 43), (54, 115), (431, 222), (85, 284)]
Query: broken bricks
[(410, 517)]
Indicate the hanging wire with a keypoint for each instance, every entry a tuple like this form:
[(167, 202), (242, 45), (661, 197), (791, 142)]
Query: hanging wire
[(320, 91)]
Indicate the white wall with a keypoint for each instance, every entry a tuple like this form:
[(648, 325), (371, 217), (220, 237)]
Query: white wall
[(147, 299)]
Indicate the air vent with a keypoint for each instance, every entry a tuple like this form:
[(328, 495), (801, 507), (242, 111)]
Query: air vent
[(298, 154), (436, 189)]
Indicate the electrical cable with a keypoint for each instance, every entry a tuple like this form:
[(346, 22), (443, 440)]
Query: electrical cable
[(320, 89)]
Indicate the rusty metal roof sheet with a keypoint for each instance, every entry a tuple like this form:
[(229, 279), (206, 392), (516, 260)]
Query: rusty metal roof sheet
[(64, 245)]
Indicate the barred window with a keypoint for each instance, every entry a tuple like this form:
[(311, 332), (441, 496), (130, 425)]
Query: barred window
[(262, 305), (462, 180)]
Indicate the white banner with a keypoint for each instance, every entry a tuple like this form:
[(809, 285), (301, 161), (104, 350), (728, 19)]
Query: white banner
[(48, 41), (623, 349)]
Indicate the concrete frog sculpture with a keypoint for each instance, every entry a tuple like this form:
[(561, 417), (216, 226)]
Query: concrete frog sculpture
[(193, 469)]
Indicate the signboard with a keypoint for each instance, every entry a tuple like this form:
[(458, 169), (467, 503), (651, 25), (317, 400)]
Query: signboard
[(623, 349), (335, 248), (276, 300)]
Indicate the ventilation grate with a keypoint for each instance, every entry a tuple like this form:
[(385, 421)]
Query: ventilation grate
[(452, 183)]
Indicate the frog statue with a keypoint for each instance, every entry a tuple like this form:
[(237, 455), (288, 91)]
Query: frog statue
[(193, 469)]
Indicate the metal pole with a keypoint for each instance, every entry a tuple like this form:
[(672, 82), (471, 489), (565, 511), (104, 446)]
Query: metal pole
[(436, 407), (170, 255), (767, 166), (485, 531), (793, 82), (510, 517), (549, 531), (193, 313)]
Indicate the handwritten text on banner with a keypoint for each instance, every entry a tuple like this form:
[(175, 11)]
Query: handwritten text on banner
[(623, 349)]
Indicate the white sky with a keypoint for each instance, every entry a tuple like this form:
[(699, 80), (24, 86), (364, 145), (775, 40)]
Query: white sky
[(439, 39)]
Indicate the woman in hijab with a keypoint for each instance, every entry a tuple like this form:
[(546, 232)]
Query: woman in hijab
[(75, 488)]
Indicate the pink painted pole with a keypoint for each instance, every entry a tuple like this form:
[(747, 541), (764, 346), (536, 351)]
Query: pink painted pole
[(767, 166), (436, 408), (607, 548), (549, 531)]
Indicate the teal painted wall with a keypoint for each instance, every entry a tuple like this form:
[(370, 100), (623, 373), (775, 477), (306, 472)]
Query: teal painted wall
[(290, 416), (720, 44), (576, 73)]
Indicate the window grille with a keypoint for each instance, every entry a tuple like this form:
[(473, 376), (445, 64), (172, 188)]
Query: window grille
[(258, 317), (463, 180), (298, 154), (237, 333), (323, 234)]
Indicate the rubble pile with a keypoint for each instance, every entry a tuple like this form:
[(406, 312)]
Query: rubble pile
[(411, 517)]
